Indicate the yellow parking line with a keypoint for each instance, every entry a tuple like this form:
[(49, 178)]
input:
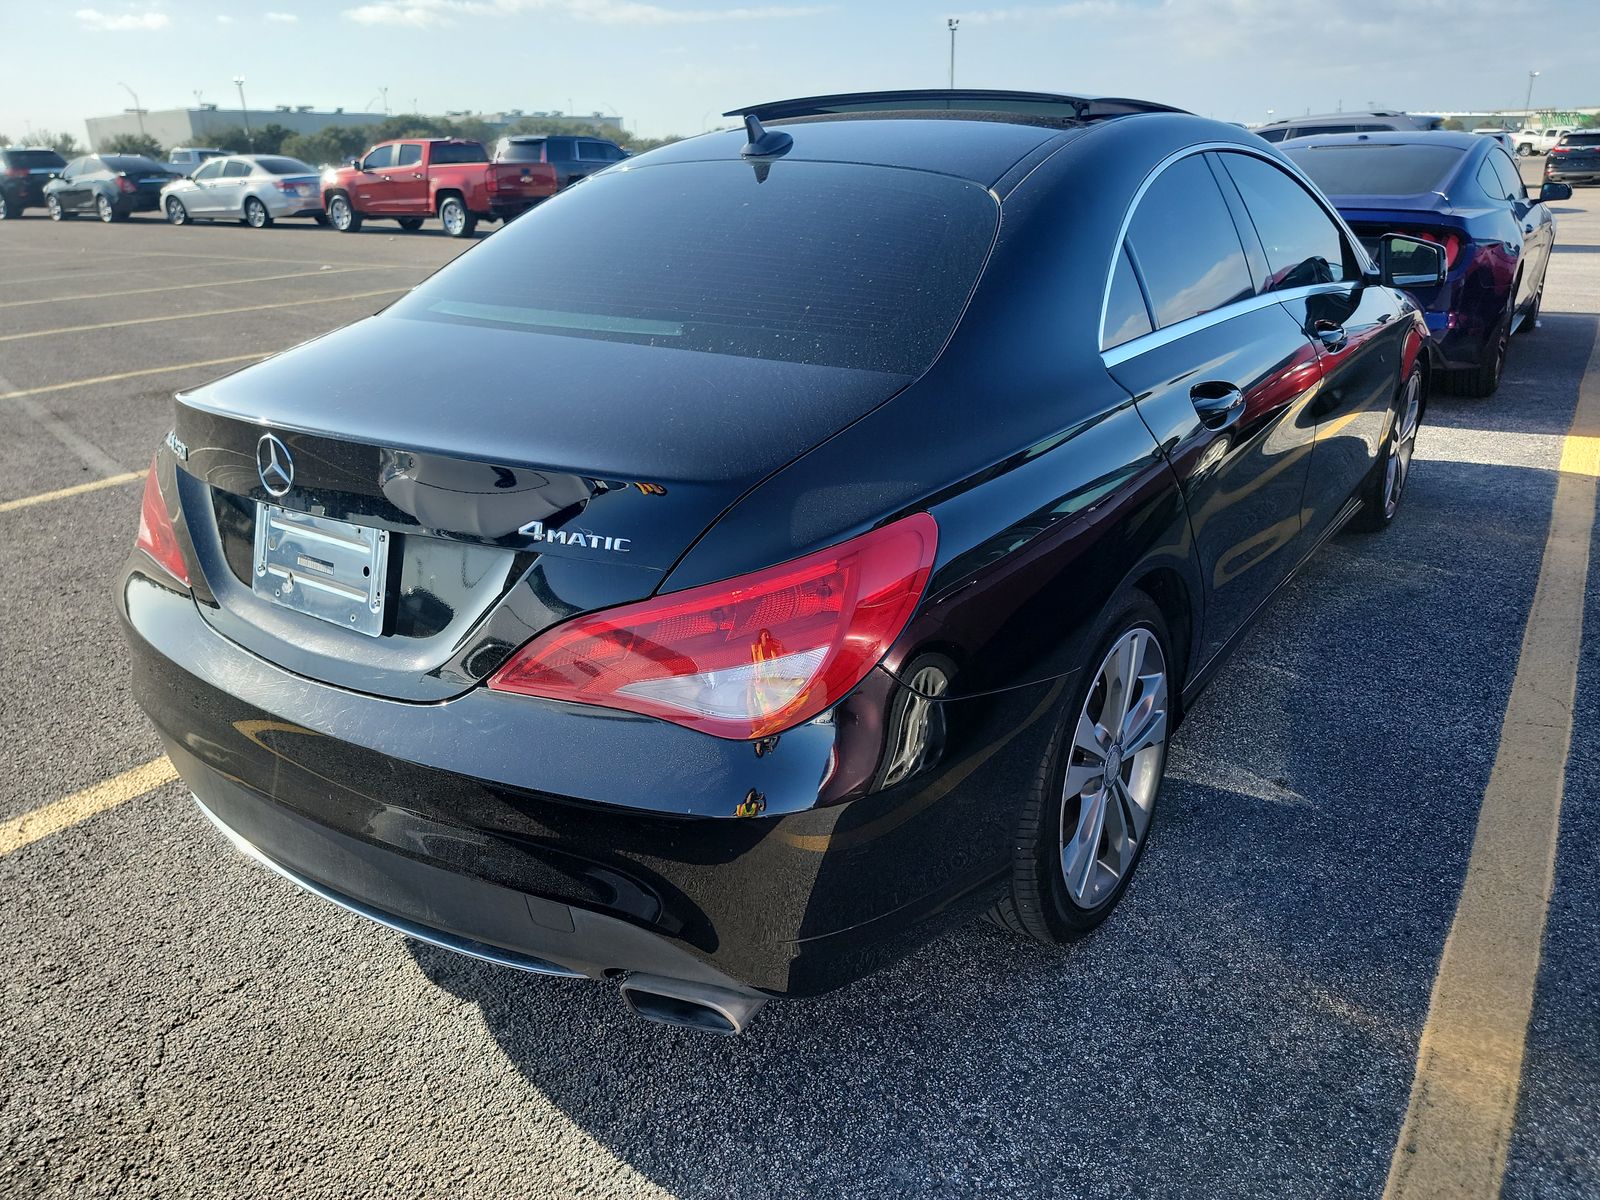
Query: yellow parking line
[(80, 806), (1469, 1063), (190, 366), (76, 489), (216, 312), (209, 283)]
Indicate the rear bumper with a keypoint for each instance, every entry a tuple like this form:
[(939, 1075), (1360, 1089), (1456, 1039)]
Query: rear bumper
[(589, 841), (1554, 174), (505, 210)]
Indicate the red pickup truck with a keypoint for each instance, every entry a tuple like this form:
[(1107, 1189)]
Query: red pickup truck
[(411, 179)]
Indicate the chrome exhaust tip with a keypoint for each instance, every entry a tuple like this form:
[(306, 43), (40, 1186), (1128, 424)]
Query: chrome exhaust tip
[(690, 1005)]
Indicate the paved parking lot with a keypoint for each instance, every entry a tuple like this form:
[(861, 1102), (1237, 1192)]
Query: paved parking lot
[(175, 1021)]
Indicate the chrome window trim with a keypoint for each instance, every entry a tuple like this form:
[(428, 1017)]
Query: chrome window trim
[(1122, 353), (1172, 333)]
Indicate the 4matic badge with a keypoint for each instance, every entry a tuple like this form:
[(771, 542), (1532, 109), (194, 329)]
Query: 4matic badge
[(536, 531)]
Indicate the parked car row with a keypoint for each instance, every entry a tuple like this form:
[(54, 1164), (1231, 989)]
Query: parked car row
[(408, 180)]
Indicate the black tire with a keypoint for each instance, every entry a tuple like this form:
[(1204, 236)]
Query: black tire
[(1483, 381), (457, 221), (1381, 494), (177, 214), (256, 215), (1036, 904), (6, 211), (410, 224), (1525, 150), (105, 210), (1531, 322), (342, 214)]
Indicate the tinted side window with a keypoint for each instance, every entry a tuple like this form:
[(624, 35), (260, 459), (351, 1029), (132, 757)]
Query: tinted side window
[(559, 148), (1186, 245), (235, 169), (1510, 179), (1272, 135), (1490, 182), (383, 156), (598, 152), (410, 153), (1303, 244), (1127, 317)]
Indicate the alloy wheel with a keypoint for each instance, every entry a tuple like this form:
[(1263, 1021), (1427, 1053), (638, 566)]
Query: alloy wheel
[(5, 208), (1402, 445), (103, 207), (339, 212), (1114, 768), (54, 206), (255, 213), (176, 213), (453, 216)]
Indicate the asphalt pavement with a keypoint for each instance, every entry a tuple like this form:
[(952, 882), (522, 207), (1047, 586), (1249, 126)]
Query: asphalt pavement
[(175, 1021)]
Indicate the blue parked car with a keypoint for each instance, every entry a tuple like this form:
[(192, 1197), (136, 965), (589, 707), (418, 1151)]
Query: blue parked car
[(1464, 193)]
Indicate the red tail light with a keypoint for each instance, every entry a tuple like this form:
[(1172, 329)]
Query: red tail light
[(125, 184), (1449, 240), (746, 657), (156, 537), (18, 172)]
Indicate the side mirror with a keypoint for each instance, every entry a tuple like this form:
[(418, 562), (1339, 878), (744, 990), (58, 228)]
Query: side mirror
[(1407, 262), (353, 162), (1555, 191)]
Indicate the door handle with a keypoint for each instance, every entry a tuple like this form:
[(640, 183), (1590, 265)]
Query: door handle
[(1332, 336), (418, 175), (1218, 404)]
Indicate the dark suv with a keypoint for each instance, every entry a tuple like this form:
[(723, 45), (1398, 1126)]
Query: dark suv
[(572, 157), (24, 170), (1574, 159)]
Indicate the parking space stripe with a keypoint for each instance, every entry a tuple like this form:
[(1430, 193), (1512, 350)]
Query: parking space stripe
[(210, 283), (76, 489), (121, 375), (1463, 1101), (80, 806), (215, 312)]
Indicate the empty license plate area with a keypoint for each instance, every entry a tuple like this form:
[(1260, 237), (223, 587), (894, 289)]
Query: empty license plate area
[(328, 569)]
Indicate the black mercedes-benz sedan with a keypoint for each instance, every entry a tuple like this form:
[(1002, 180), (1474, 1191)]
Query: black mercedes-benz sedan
[(828, 560)]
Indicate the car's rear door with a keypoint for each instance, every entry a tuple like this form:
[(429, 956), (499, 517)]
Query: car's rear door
[(1224, 377), (1315, 273)]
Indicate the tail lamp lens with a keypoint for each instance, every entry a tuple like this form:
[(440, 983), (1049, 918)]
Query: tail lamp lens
[(745, 657), (125, 184), (1449, 240), (156, 537)]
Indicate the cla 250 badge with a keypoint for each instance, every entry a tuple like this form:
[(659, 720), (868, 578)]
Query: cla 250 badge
[(574, 537)]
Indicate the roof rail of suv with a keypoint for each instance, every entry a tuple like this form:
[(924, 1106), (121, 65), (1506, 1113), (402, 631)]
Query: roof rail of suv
[(1033, 104)]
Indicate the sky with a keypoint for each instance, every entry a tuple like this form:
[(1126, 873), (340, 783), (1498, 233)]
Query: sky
[(671, 66)]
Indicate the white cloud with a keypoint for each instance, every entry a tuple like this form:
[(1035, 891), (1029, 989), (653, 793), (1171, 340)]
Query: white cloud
[(281, 18), (93, 18), (224, 19), (423, 14)]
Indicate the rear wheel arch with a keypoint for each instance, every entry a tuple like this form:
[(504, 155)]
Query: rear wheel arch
[(448, 193), (1172, 594)]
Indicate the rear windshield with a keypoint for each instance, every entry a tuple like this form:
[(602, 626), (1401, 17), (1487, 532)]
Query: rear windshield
[(521, 151), (34, 158), (1581, 139), (284, 166), (1376, 170), (133, 164), (827, 263), (458, 152)]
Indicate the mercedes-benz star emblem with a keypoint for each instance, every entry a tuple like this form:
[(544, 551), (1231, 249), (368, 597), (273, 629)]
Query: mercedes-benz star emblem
[(274, 465)]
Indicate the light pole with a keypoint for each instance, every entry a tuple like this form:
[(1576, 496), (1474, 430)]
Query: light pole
[(385, 93), (138, 112), (244, 112), (1527, 103), (954, 21)]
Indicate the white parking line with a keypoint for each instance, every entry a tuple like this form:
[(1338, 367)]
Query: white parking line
[(215, 312), (209, 283)]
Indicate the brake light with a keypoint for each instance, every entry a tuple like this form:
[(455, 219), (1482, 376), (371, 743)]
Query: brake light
[(156, 537), (17, 172), (1450, 241), (745, 657), (125, 184), (1559, 150)]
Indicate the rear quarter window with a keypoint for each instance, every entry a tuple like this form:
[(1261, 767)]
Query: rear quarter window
[(1186, 245), (446, 153), (834, 264)]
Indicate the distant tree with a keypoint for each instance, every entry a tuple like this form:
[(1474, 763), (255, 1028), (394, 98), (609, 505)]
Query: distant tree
[(330, 146), (63, 144), (133, 143), (267, 139), (1452, 123)]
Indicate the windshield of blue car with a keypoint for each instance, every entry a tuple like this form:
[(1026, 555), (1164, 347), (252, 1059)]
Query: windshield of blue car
[(1357, 169), (827, 263), (284, 166)]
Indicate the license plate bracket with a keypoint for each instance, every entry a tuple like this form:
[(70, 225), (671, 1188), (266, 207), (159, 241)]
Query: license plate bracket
[(335, 571)]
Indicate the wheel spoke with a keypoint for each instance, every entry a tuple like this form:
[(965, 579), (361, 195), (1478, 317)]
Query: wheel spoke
[(1091, 738), (1152, 732), (1079, 855)]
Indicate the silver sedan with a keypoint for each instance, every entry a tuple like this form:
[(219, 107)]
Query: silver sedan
[(255, 189)]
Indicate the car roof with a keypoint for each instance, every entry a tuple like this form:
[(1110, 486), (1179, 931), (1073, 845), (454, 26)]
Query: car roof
[(1390, 137), (977, 135)]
